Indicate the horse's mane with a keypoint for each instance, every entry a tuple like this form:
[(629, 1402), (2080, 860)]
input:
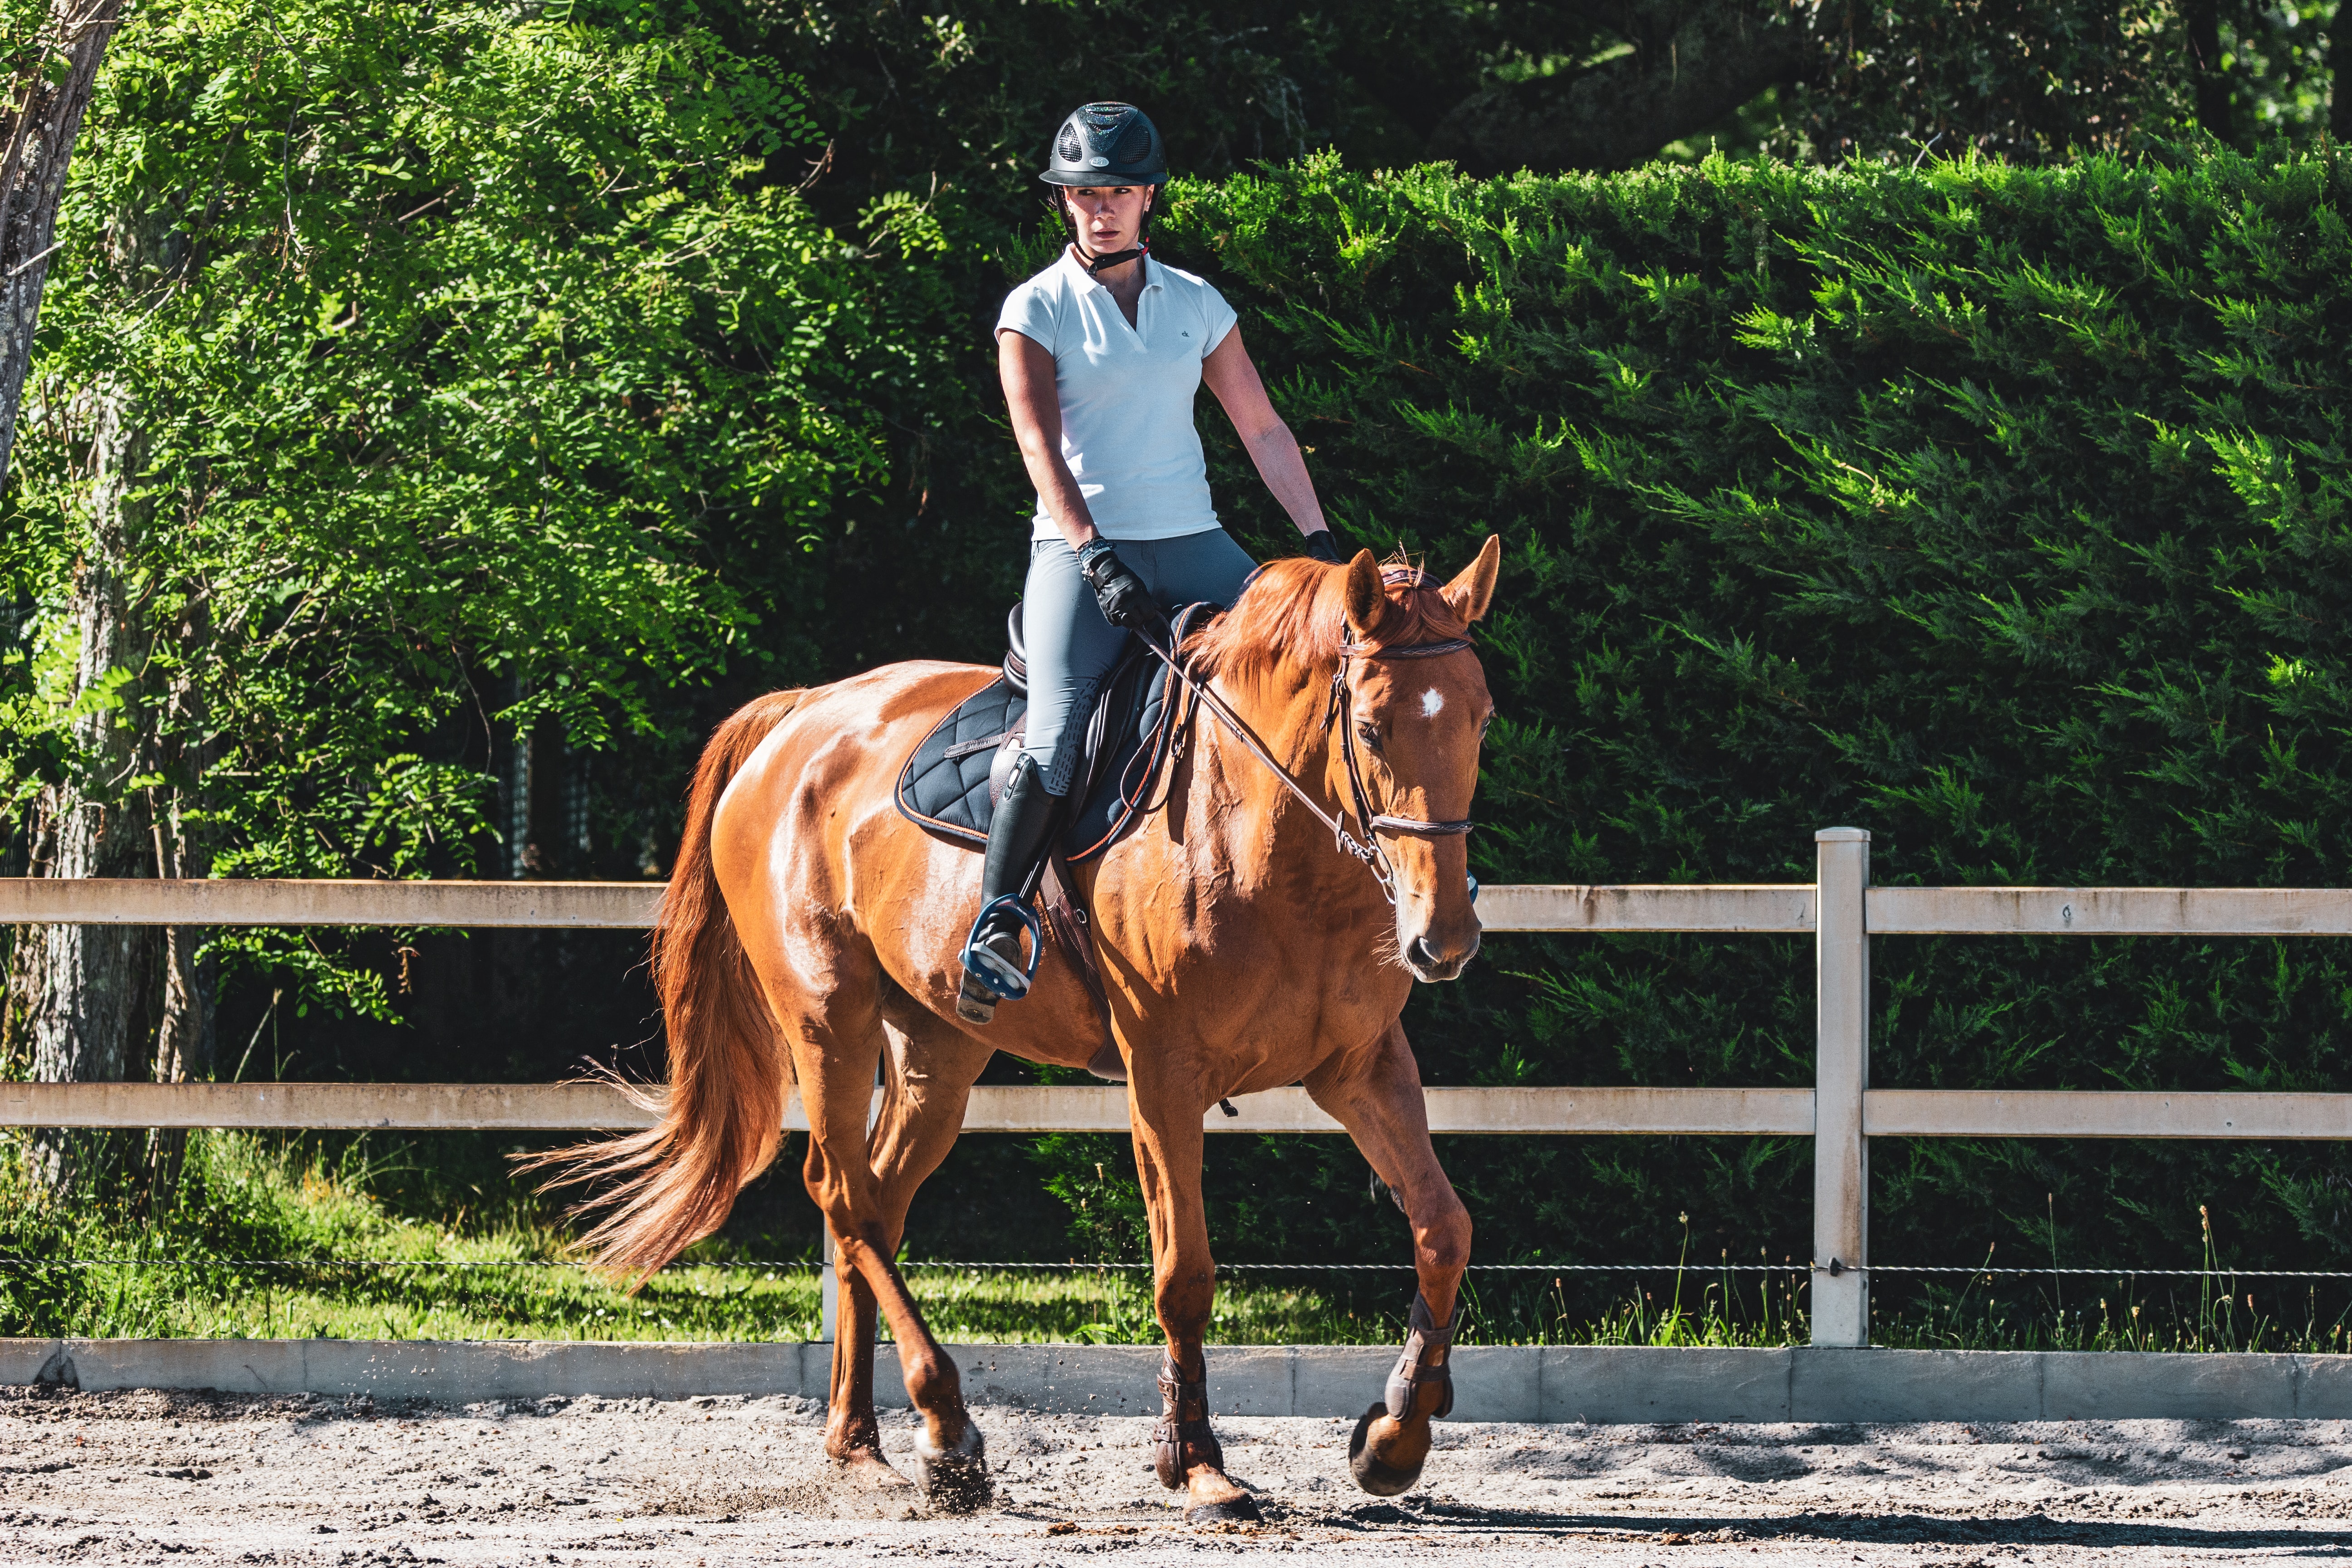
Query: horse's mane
[(1294, 612)]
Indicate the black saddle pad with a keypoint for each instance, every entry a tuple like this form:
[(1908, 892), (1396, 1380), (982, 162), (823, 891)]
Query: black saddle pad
[(944, 785)]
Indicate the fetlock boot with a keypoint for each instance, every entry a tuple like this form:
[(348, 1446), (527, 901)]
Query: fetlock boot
[(1017, 840)]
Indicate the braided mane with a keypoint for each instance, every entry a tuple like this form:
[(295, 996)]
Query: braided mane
[(1294, 612)]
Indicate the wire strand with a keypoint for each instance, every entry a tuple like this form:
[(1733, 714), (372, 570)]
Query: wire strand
[(989, 1266)]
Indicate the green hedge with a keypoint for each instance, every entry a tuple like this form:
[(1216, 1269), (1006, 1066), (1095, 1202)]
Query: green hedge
[(2005, 513)]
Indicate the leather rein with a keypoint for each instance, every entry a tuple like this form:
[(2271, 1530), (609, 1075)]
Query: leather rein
[(1341, 708)]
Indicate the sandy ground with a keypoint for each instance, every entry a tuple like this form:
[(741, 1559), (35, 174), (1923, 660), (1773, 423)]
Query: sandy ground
[(155, 1477)]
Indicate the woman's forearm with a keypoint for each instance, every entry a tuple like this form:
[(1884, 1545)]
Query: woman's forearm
[(1275, 452), (1057, 489)]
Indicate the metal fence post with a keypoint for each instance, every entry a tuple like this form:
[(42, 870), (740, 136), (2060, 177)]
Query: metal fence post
[(1841, 1278)]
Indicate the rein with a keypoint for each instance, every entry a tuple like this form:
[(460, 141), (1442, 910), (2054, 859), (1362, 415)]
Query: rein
[(1341, 708)]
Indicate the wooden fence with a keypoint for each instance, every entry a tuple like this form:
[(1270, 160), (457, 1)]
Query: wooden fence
[(1841, 1112)]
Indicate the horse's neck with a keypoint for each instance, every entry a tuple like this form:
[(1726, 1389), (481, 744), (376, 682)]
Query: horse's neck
[(1256, 825)]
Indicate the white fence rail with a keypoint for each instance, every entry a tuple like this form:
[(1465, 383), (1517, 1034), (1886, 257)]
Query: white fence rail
[(1840, 1113)]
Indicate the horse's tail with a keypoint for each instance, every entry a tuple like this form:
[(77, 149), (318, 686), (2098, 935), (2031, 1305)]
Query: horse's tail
[(722, 1115)]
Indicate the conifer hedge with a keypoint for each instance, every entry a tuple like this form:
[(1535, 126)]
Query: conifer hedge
[(2005, 513)]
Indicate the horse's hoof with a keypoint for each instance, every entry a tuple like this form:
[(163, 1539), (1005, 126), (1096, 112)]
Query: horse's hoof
[(1233, 1510), (867, 1468), (955, 1481), (1374, 1476)]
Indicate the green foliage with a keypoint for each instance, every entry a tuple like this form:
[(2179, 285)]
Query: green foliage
[(491, 378), (2005, 513), (195, 1266)]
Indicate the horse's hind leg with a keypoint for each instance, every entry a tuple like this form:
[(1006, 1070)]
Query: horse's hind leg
[(1166, 1115), (1375, 1093), (865, 1184)]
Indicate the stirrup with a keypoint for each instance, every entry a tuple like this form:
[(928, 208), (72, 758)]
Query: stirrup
[(986, 966)]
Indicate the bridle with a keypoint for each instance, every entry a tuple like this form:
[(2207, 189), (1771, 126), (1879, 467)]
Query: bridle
[(1341, 708)]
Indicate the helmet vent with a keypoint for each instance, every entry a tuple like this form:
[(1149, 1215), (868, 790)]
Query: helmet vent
[(1135, 147), (1068, 149)]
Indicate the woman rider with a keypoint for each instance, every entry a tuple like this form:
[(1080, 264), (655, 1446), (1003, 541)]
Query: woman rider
[(1100, 356)]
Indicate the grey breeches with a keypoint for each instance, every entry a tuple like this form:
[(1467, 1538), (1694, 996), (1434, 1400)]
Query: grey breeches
[(1072, 647)]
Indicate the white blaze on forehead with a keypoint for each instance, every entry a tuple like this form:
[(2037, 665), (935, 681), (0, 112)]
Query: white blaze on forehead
[(1432, 702)]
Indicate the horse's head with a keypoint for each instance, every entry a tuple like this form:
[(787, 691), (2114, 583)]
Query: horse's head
[(1416, 698)]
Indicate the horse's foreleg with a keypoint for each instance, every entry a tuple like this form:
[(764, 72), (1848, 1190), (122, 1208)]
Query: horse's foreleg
[(1186, 1454), (1376, 1094)]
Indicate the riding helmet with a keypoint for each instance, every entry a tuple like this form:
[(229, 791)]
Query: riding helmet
[(1107, 144)]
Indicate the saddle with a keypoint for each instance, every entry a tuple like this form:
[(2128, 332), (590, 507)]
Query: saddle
[(951, 780)]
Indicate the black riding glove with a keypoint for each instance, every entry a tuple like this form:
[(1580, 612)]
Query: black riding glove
[(1125, 601), (1323, 547)]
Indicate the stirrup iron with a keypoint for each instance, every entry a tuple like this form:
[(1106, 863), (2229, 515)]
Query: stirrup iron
[(1005, 981)]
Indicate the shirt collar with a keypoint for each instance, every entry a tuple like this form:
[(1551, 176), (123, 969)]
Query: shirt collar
[(1078, 269)]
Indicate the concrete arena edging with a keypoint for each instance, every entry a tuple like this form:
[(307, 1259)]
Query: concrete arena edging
[(1605, 1385)]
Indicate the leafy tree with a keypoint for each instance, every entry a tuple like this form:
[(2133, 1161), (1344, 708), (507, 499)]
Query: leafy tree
[(1546, 85), (420, 386)]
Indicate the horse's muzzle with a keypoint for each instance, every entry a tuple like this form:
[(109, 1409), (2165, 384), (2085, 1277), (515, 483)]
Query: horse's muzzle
[(1431, 961)]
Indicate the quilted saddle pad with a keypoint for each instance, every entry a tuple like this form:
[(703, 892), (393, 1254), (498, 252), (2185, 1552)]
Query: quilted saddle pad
[(944, 785)]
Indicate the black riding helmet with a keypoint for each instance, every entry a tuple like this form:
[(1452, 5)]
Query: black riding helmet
[(1106, 144)]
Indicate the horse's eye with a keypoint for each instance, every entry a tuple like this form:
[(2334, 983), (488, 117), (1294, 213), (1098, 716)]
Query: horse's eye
[(1369, 735)]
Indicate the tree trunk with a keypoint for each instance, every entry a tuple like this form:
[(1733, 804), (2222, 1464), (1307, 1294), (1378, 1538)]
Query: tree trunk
[(84, 998), (38, 126), (2203, 21), (184, 1038), (2339, 71), (1691, 65)]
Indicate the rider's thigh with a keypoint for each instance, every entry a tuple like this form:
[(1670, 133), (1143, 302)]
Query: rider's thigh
[(1196, 567), (1070, 649)]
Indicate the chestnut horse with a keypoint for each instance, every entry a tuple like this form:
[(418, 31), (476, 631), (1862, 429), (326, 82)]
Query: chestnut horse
[(810, 932)]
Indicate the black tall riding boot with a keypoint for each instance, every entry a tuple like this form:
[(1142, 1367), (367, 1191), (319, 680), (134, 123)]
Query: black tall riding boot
[(1017, 840)]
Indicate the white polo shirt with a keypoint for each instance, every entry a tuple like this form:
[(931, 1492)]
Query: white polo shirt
[(1126, 392)]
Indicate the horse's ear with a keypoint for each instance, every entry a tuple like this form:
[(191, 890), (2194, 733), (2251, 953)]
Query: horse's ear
[(1363, 595), (1472, 592)]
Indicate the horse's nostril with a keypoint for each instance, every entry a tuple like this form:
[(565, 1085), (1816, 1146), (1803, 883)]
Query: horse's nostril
[(1424, 954)]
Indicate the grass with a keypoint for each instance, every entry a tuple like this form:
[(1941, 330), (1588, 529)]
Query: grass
[(194, 1271)]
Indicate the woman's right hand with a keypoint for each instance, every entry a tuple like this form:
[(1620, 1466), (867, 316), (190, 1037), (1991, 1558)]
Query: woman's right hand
[(1125, 601)]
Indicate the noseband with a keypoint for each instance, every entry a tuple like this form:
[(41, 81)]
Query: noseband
[(1341, 708)]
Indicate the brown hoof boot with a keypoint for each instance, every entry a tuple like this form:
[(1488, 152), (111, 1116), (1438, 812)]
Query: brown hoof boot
[(1182, 1437), (1374, 1474)]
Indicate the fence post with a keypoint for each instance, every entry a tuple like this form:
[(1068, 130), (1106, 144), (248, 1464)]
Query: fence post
[(828, 1291), (1840, 1276)]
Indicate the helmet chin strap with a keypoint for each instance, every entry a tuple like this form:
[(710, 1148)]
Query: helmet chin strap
[(1095, 267)]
